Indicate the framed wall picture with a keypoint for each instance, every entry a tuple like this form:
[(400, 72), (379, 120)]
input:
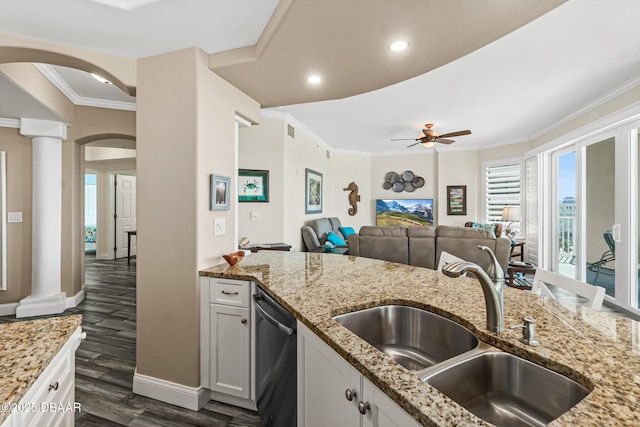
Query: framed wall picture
[(456, 200), (220, 190), (312, 192), (253, 185)]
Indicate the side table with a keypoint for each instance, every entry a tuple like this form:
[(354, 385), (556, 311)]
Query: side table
[(520, 267), (514, 254), (267, 247)]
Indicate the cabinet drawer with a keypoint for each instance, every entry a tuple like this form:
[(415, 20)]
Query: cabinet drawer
[(230, 292)]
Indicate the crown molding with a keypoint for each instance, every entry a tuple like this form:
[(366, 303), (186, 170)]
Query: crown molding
[(50, 73), (606, 97), (10, 123)]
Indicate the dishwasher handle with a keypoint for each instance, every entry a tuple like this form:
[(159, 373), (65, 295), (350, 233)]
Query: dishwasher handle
[(283, 328)]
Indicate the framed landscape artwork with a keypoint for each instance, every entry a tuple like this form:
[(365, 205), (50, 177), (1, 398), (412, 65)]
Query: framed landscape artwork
[(253, 185), (406, 212), (312, 192), (220, 190), (456, 200)]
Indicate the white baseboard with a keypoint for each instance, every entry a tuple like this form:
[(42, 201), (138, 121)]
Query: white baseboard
[(76, 299), (8, 309), (42, 306), (192, 398)]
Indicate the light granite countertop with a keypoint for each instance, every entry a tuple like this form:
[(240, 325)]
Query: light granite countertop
[(599, 350), (26, 349)]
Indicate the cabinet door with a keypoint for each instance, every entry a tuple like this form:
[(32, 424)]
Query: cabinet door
[(383, 412), (323, 379), (230, 358)]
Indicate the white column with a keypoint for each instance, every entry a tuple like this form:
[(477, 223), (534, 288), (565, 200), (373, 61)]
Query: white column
[(46, 296)]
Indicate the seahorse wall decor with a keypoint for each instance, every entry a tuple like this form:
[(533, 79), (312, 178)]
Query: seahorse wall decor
[(353, 198)]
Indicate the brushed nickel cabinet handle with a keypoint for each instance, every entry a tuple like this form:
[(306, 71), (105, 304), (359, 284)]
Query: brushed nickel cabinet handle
[(350, 394), (53, 386), (363, 407)]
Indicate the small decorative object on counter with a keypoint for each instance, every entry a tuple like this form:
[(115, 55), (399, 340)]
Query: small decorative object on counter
[(234, 258), (244, 242), (354, 198)]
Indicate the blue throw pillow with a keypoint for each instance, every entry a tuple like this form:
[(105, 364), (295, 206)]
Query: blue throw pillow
[(335, 239), (347, 231)]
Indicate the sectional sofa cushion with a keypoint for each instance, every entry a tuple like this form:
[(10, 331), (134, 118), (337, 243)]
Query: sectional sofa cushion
[(385, 243)]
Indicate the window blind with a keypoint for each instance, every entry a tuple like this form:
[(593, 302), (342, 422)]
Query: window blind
[(502, 189)]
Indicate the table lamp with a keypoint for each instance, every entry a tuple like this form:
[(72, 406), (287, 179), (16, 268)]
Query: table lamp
[(511, 214)]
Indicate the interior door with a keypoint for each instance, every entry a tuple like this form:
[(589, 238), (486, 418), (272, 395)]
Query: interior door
[(125, 216)]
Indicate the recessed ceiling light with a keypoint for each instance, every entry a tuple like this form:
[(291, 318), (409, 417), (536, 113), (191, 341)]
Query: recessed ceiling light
[(399, 45), (100, 79), (314, 80)]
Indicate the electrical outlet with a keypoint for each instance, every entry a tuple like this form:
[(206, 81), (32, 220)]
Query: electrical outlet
[(254, 215), (14, 217), (219, 226)]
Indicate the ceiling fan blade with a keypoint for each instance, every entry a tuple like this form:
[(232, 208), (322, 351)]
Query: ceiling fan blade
[(415, 143), (445, 141), (459, 133)]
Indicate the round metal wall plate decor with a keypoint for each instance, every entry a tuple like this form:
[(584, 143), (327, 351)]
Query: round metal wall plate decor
[(418, 182), (406, 181)]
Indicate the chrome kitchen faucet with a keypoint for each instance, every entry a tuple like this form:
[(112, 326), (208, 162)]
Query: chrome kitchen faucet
[(492, 286)]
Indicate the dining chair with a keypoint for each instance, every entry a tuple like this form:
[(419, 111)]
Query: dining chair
[(594, 294)]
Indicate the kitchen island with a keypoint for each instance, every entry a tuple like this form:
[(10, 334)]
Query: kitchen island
[(598, 350), (37, 374)]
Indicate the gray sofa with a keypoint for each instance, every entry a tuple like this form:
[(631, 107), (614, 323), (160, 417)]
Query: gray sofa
[(314, 234), (421, 246)]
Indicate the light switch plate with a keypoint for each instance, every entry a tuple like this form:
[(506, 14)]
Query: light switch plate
[(14, 216), (219, 226)]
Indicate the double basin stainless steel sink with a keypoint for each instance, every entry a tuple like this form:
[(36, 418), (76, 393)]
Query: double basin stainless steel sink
[(498, 387)]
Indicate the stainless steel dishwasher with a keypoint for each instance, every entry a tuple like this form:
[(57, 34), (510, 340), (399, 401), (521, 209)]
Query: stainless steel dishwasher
[(276, 362)]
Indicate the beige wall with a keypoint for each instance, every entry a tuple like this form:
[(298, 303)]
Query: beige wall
[(262, 147), (186, 131), (458, 168), (268, 146), (424, 164), (19, 168)]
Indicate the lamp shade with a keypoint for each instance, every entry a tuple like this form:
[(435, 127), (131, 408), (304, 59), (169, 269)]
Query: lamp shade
[(511, 213)]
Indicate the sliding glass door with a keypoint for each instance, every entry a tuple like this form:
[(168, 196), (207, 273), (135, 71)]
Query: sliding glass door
[(564, 250), (599, 213), (595, 205)]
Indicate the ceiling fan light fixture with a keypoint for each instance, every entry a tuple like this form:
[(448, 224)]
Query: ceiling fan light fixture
[(429, 144), (399, 45)]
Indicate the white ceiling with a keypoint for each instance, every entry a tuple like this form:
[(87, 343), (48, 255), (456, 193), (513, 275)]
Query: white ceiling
[(510, 90)]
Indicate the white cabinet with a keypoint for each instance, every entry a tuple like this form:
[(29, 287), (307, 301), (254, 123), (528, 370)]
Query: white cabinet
[(332, 392), (230, 369), (50, 401), (226, 325)]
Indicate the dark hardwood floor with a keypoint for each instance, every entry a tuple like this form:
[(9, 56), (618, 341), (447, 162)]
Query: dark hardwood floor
[(105, 361)]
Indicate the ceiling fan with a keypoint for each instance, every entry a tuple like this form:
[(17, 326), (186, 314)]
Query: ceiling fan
[(429, 137)]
